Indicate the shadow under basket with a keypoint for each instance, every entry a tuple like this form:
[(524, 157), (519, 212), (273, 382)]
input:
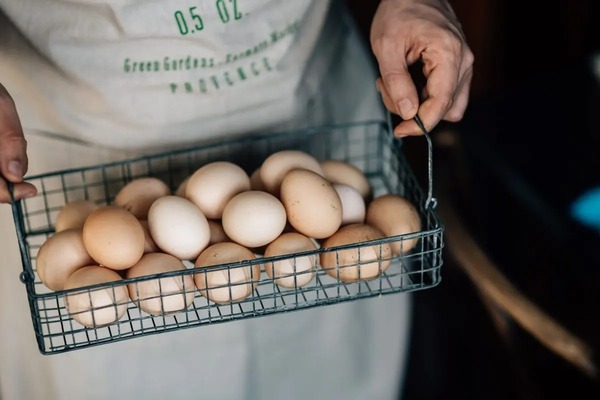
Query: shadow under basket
[(368, 145)]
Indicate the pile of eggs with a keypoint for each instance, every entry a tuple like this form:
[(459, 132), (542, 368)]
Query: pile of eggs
[(292, 204)]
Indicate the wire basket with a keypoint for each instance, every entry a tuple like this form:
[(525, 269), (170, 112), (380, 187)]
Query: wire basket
[(367, 145)]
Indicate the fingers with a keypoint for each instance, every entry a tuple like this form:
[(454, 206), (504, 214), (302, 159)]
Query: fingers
[(397, 83), (21, 190), (13, 147), (13, 150), (403, 33), (446, 92), (387, 100), (442, 73), (401, 92), (461, 99)]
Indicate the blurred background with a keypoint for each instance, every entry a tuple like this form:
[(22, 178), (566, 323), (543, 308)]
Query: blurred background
[(526, 151)]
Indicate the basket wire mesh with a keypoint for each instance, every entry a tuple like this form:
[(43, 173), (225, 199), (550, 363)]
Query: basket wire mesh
[(368, 145)]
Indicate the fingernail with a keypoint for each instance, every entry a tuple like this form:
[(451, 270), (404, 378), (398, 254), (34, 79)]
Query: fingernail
[(405, 106), (29, 194), (400, 135), (14, 167)]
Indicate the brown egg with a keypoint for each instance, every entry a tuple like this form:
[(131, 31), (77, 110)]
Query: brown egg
[(291, 272), (149, 245), (258, 251), (181, 188), (395, 215), (73, 214), (138, 195), (275, 167), (97, 307), (114, 237), (313, 206), (217, 233), (211, 186), (256, 182), (356, 263), (59, 256), (230, 284), (337, 171), (166, 295)]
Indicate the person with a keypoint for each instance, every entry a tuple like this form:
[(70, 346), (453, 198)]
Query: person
[(89, 82)]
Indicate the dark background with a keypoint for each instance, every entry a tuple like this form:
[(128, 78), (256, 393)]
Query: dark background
[(531, 145)]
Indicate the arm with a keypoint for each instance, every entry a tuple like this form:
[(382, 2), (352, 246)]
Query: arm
[(404, 32), (13, 151)]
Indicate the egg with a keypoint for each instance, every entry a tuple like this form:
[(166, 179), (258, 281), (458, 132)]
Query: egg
[(353, 204), (59, 256), (149, 244), (231, 284), (217, 233), (275, 167), (178, 227), (165, 295), (338, 171), (96, 307), (291, 272), (312, 205), (256, 182), (138, 195), (211, 186), (395, 215), (253, 218), (355, 263), (73, 214), (180, 191), (114, 237)]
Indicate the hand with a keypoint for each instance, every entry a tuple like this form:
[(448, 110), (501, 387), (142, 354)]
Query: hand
[(404, 32), (13, 151)]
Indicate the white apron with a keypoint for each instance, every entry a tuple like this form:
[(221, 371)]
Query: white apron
[(355, 350)]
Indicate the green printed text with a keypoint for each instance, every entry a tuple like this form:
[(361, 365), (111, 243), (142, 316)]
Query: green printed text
[(224, 79)]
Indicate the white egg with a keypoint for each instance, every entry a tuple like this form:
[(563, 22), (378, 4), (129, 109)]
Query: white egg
[(353, 204), (254, 218), (178, 227)]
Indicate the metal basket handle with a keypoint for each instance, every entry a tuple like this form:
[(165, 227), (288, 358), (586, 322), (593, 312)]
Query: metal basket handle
[(430, 202), (27, 276)]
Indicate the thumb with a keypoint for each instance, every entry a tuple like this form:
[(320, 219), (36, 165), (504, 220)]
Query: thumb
[(13, 146)]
